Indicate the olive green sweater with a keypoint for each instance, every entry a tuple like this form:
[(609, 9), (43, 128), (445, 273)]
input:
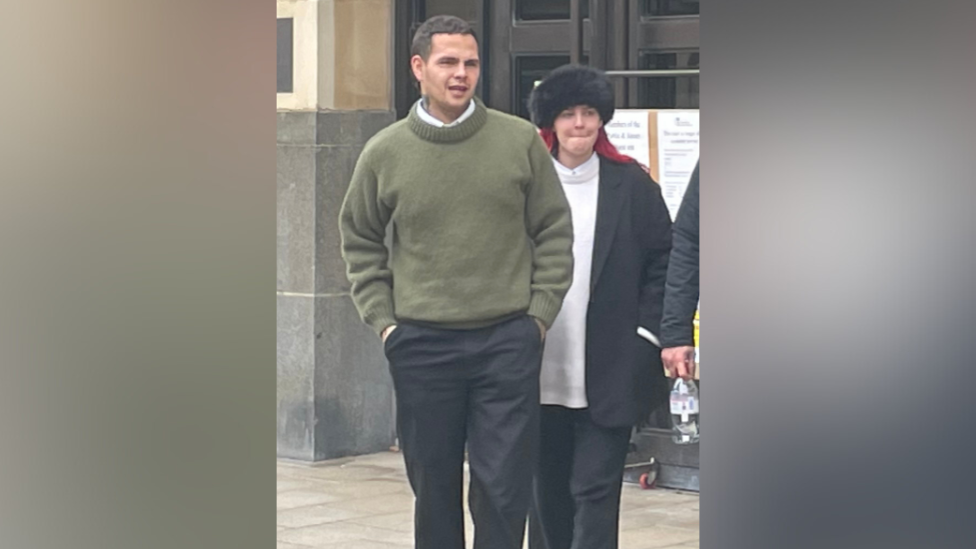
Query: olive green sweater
[(481, 229)]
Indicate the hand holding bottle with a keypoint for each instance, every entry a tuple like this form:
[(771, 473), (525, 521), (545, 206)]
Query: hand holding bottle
[(679, 361)]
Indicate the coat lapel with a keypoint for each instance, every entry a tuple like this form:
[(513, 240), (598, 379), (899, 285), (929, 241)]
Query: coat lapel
[(608, 204)]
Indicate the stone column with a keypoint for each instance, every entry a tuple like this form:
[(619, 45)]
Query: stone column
[(335, 397)]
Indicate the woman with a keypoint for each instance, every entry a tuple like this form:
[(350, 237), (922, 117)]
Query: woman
[(601, 357)]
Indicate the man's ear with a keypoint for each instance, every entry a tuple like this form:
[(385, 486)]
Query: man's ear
[(416, 65)]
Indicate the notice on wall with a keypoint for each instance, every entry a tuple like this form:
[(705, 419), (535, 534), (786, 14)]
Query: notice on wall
[(630, 132), (677, 154), (666, 141)]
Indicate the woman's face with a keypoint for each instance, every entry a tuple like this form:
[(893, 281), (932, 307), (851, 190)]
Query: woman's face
[(577, 128)]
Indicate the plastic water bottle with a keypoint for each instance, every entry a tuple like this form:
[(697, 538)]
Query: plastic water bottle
[(684, 411)]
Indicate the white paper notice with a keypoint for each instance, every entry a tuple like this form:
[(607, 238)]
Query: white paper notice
[(630, 133), (677, 146)]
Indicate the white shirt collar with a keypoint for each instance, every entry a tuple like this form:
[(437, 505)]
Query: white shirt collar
[(582, 173), (429, 118)]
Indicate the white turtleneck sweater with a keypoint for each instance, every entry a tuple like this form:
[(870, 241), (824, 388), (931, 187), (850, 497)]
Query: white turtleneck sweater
[(563, 376)]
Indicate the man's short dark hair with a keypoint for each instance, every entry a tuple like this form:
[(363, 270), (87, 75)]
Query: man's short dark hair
[(438, 24)]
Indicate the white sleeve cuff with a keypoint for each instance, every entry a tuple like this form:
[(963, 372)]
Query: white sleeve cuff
[(646, 334)]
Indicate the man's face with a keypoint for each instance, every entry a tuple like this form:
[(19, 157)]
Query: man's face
[(450, 74)]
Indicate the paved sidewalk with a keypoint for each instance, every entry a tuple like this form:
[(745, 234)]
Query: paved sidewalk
[(366, 503)]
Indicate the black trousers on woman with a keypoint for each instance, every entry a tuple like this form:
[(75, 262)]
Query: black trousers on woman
[(576, 499)]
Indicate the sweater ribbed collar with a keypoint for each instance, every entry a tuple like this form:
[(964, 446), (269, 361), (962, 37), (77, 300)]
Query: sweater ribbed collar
[(452, 134)]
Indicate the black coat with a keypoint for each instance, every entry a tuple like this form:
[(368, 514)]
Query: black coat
[(630, 262), (681, 295)]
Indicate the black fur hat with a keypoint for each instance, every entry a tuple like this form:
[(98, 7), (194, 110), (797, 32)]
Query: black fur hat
[(569, 86)]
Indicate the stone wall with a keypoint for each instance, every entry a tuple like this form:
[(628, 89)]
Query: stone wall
[(335, 397)]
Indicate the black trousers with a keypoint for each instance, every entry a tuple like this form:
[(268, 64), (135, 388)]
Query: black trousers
[(479, 387), (576, 503)]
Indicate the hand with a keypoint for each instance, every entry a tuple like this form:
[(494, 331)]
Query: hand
[(387, 331), (542, 329), (679, 361)]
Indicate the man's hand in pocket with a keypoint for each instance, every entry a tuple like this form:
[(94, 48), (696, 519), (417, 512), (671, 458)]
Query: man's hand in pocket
[(542, 328)]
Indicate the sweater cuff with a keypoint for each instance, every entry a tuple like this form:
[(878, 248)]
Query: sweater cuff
[(379, 318), (544, 307)]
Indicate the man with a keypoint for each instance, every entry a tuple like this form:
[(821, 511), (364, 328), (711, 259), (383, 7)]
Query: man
[(681, 289), (480, 261)]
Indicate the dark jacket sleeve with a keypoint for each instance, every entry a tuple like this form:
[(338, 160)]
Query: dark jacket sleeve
[(654, 222), (681, 289)]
